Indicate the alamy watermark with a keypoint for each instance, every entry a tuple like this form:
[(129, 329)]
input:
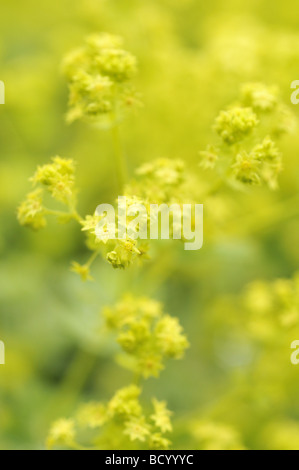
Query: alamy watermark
[(154, 221), (2, 353), (295, 354), (2, 92), (2, 101), (294, 95)]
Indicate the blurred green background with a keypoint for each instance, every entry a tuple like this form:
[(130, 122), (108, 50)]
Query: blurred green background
[(193, 56)]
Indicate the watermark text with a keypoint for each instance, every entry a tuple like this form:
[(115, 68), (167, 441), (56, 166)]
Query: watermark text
[(2, 92), (2, 353), (153, 221)]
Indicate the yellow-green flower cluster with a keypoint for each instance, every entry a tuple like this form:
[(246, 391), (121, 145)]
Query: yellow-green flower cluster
[(265, 311), (263, 163), (282, 434), (160, 181), (235, 124), (57, 179), (259, 97), (31, 212), (62, 433), (248, 153), (254, 338), (272, 306), (119, 252), (120, 423), (146, 334), (208, 157), (83, 270), (99, 74)]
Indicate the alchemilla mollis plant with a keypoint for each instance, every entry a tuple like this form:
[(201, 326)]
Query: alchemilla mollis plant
[(148, 337), (244, 154), (99, 92)]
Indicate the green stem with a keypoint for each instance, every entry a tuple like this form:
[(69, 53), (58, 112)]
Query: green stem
[(92, 258), (76, 216), (120, 160), (74, 212)]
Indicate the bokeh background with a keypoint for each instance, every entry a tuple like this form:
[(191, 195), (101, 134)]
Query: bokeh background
[(231, 389)]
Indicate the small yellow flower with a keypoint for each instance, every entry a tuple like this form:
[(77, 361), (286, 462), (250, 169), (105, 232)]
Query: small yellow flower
[(161, 416), (259, 96), (62, 432), (31, 212), (92, 415), (209, 158), (150, 365), (137, 429), (125, 402), (89, 223), (58, 178), (82, 270), (158, 442), (247, 169), (170, 337), (99, 74)]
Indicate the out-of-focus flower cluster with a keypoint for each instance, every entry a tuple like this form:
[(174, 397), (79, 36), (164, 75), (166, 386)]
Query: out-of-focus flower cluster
[(254, 336), (57, 179), (248, 154), (272, 307), (235, 124), (161, 181), (99, 77), (264, 310), (211, 435), (122, 423), (146, 334)]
